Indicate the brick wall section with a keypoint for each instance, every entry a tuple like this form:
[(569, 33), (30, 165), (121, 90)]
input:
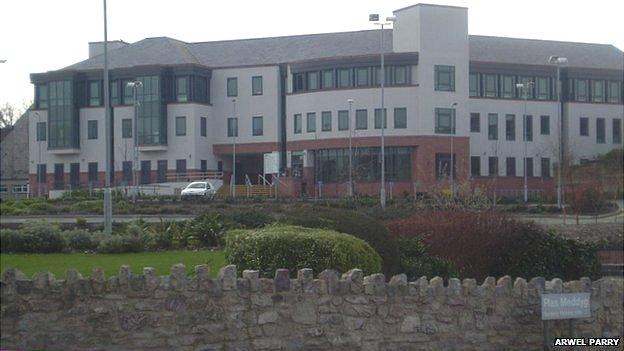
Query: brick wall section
[(333, 312)]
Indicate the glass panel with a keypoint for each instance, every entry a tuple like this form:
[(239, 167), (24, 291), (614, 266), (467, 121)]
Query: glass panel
[(491, 85), (444, 123), (328, 79), (545, 125), (509, 86), (182, 89), (510, 127), (180, 126), (528, 128), (492, 126), (475, 86), (445, 78), (326, 121), (598, 90), (378, 118), (256, 85), (362, 78), (344, 78), (475, 123), (297, 124), (600, 130), (343, 120), (311, 122), (232, 87), (615, 92), (543, 88), (400, 75), (94, 93), (400, 117), (257, 126), (361, 119)]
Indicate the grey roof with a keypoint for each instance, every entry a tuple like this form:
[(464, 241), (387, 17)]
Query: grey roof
[(264, 51)]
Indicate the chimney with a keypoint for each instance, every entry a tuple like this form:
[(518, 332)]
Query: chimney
[(97, 47)]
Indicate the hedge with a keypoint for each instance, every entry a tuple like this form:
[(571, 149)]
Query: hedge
[(294, 247)]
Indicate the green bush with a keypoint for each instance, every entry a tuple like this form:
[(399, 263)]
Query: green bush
[(251, 218), (33, 237), (82, 240), (120, 244), (293, 247), (415, 262), (350, 222), (206, 230)]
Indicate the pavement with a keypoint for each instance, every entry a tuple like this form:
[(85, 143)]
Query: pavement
[(612, 217)]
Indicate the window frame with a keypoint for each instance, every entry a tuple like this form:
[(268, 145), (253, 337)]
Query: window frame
[(403, 121), (510, 167), (476, 92), (232, 127), (473, 116), (343, 115), (527, 128), (42, 131), (180, 129), (232, 86), (616, 126), (361, 115), (182, 96), (443, 112), (325, 117), (377, 118), (92, 129), (487, 92), (254, 130), (203, 126), (95, 100), (504, 93), (126, 133), (297, 123), (441, 71), (584, 126), (545, 121), (475, 171), (311, 122), (510, 134), (257, 87), (492, 127), (601, 133)]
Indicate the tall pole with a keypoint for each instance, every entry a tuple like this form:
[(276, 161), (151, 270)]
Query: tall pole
[(350, 150), (234, 133), (560, 146), (526, 133), (383, 127), (108, 207), (135, 178), (452, 150)]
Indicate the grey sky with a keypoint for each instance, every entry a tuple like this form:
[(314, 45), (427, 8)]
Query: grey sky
[(38, 36)]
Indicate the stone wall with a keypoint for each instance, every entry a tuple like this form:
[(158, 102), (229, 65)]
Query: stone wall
[(333, 312)]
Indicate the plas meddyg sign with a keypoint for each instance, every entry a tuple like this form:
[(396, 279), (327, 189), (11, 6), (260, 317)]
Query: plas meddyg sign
[(565, 306)]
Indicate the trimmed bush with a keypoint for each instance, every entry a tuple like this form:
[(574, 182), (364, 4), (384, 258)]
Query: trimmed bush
[(120, 244), (33, 237), (415, 262), (350, 222), (82, 240), (251, 218), (293, 247)]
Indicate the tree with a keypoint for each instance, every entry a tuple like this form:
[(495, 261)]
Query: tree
[(9, 114)]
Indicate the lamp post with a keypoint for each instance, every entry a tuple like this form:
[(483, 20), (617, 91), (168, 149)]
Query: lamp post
[(38, 154), (135, 85), (453, 106), (234, 134), (525, 92), (389, 20), (108, 207), (559, 61), (350, 101)]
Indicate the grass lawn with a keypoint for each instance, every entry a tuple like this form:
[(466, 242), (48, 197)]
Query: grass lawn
[(84, 263)]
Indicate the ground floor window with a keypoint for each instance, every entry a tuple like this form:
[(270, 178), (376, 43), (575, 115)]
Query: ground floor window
[(332, 165), (443, 166)]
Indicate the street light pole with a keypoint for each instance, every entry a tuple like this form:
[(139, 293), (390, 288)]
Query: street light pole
[(525, 87), (350, 101), (108, 207), (453, 113), (234, 134), (135, 85), (559, 60)]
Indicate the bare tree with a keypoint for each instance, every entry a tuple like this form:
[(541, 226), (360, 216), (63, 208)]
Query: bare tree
[(9, 114)]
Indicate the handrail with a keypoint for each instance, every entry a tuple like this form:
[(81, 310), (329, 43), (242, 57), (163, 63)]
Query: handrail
[(264, 180), (247, 180)]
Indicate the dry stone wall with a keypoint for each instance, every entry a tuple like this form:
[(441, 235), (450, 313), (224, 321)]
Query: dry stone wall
[(334, 312)]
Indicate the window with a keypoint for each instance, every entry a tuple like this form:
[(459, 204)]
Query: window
[(63, 121), (203, 166), (378, 118), (94, 93), (344, 78), (312, 80), (311, 122), (3, 189), (220, 166), (511, 166), (59, 173), (508, 88), (545, 125), (114, 93), (200, 89), (41, 131), (181, 166), (126, 128), (92, 129), (41, 173), (584, 126), (475, 123), (615, 92), (256, 85), (326, 121), (257, 127), (598, 87), (161, 171), (19, 189), (400, 118), (617, 131), (126, 167), (543, 88), (362, 77), (492, 126), (332, 165), (180, 126), (490, 82), (151, 123), (493, 166), (298, 82), (400, 75), (510, 127), (232, 127), (343, 120), (297, 124), (443, 166), (145, 175), (41, 95), (475, 84), (128, 93), (528, 128), (232, 86), (580, 89), (93, 173), (361, 119), (545, 167), (529, 83), (475, 166), (600, 130), (444, 121), (182, 89), (328, 79), (528, 163), (444, 78), (203, 126)]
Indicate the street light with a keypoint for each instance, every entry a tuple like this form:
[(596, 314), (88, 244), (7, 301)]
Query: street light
[(453, 106), (108, 206), (559, 61), (389, 20), (135, 85), (39, 153), (350, 101), (234, 133), (525, 92)]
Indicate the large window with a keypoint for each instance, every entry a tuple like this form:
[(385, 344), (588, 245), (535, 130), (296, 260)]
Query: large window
[(256, 85), (344, 78), (200, 89), (581, 87), (74, 175), (327, 81), (151, 119), (343, 120), (128, 93), (510, 127), (598, 90), (203, 126), (444, 121), (443, 165), (475, 166), (92, 129), (93, 173), (362, 77), (490, 83), (232, 127), (600, 130), (182, 89), (475, 123), (508, 87), (361, 119), (41, 131), (41, 96), (529, 91), (617, 131), (378, 118), (400, 75), (232, 86), (492, 126), (545, 167), (115, 98), (545, 125), (95, 97), (400, 118), (126, 128), (180, 126), (332, 165), (297, 124), (528, 128), (161, 171), (312, 81), (511, 166), (326, 121), (257, 127), (584, 126), (615, 92), (528, 163), (181, 166), (311, 122), (126, 168), (59, 176), (493, 166), (543, 88), (347, 77), (444, 78), (63, 124), (475, 84), (42, 173)]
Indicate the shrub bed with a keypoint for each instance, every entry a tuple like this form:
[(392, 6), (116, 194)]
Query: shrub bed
[(295, 247)]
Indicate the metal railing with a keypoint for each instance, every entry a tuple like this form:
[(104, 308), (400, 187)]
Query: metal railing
[(190, 176)]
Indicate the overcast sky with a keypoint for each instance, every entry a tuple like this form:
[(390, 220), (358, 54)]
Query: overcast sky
[(43, 35)]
